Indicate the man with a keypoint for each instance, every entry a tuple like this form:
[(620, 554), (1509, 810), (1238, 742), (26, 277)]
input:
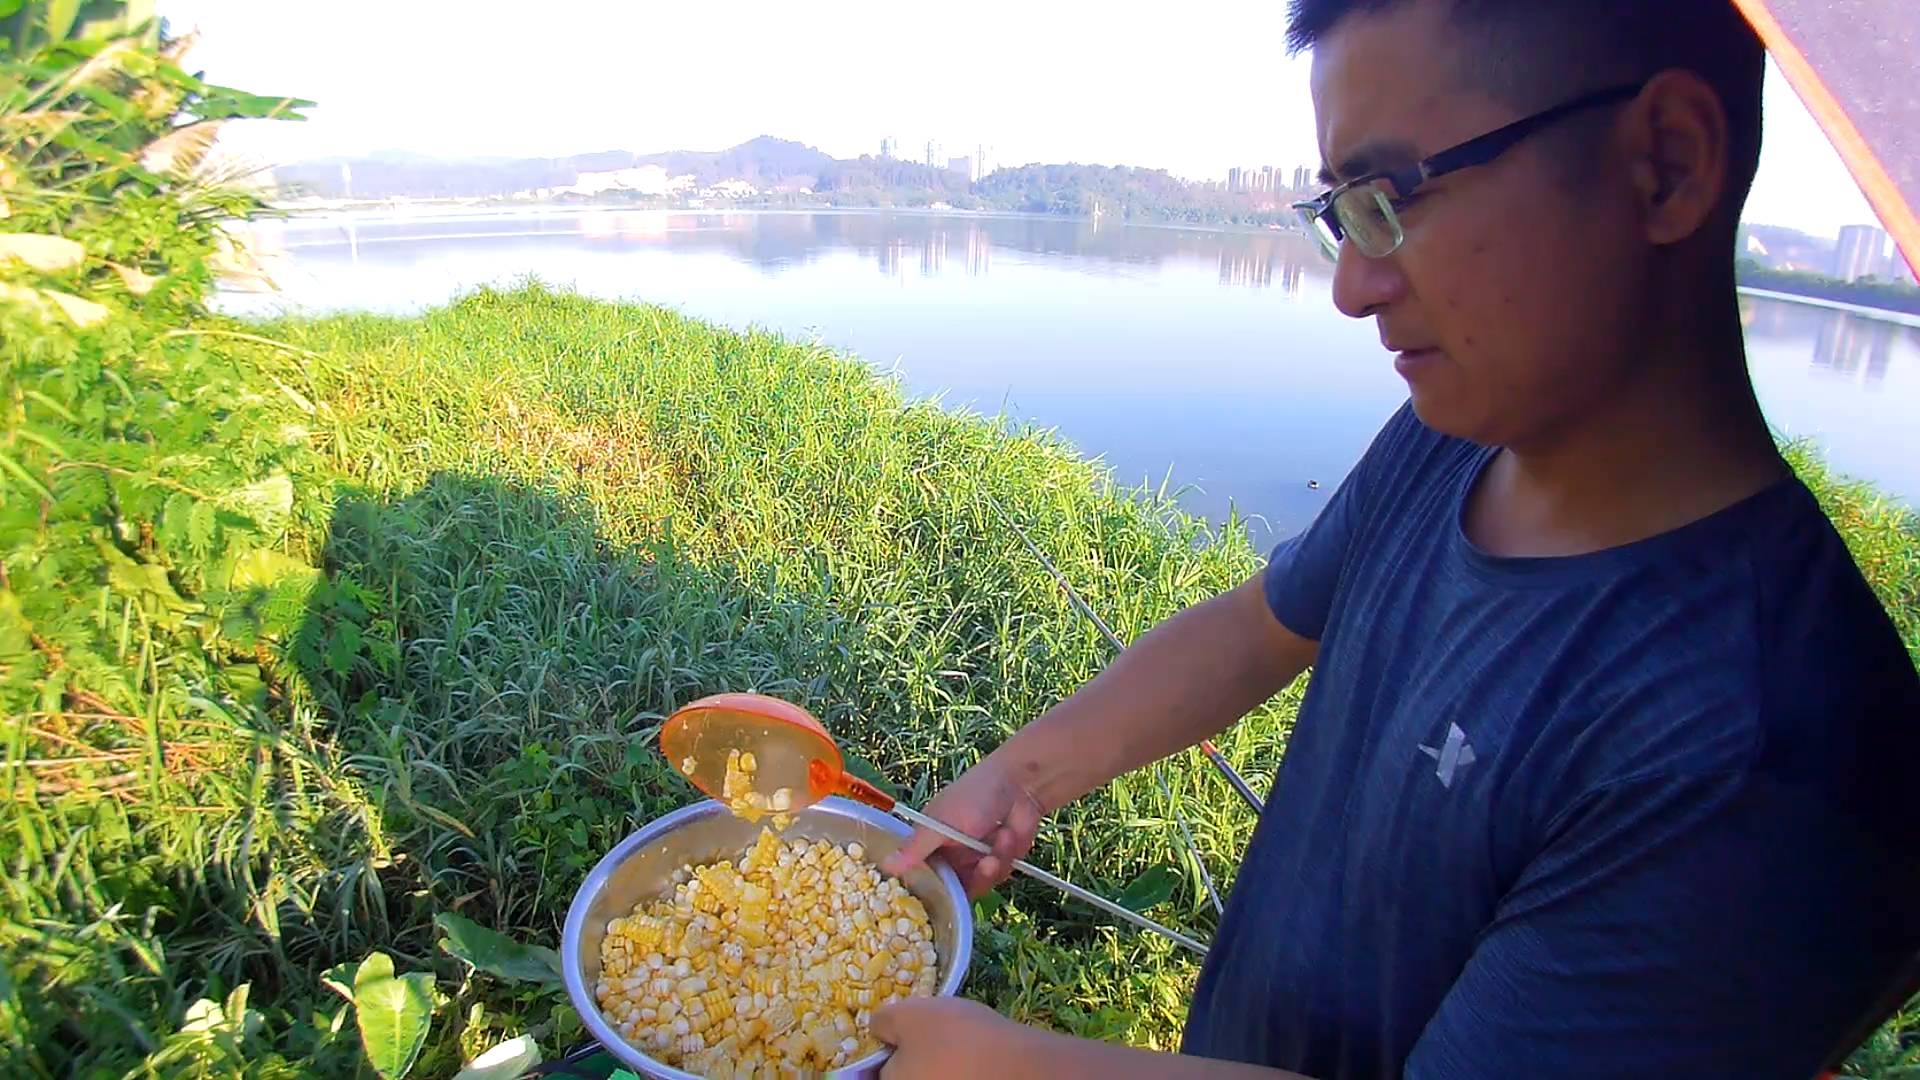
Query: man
[(1602, 767)]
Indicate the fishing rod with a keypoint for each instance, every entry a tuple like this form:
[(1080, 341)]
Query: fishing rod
[(1219, 760)]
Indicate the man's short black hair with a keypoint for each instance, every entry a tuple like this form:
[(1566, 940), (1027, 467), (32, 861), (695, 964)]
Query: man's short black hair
[(1536, 53)]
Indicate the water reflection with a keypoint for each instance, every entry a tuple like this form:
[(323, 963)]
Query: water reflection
[(1246, 268), (1256, 268), (1840, 344), (1846, 339), (779, 242)]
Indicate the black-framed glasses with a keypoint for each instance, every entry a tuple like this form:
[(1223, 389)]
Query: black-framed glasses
[(1366, 208)]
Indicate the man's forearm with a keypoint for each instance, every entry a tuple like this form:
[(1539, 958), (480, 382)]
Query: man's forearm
[(1187, 679), (1045, 1055)]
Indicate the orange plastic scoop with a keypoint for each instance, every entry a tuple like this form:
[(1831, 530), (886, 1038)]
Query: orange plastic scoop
[(760, 756), (764, 757)]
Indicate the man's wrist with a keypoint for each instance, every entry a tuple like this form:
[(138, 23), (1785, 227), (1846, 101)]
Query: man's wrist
[(1037, 762)]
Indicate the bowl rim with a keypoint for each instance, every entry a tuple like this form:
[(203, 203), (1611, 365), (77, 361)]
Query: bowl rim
[(596, 880)]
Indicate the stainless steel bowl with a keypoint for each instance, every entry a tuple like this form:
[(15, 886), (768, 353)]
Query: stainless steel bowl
[(641, 868)]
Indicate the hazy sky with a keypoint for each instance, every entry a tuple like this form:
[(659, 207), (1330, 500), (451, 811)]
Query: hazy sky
[(1193, 89)]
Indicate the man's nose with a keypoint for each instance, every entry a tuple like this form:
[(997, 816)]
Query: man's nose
[(1364, 286)]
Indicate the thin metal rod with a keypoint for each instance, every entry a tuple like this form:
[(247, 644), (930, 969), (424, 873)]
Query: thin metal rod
[(1186, 833), (1238, 783), (1068, 887), (1213, 753)]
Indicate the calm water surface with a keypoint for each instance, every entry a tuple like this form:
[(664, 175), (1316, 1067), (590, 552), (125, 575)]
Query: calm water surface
[(1213, 361)]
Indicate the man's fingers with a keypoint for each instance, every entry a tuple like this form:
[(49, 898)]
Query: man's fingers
[(914, 852), (988, 871)]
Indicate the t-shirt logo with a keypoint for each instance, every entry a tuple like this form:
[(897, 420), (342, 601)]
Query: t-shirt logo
[(1453, 755)]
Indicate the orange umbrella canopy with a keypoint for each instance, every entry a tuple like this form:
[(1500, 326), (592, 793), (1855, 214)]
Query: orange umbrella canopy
[(1856, 65)]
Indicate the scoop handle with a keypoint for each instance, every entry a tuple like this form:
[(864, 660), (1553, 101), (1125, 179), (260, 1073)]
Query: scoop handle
[(1063, 885), (862, 792)]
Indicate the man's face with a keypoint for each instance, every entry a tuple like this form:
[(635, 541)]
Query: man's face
[(1510, 303)]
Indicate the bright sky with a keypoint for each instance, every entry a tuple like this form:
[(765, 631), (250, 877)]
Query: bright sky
[(1195, 94)]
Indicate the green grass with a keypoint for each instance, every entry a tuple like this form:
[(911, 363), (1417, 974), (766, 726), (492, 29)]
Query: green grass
[(545, 522)]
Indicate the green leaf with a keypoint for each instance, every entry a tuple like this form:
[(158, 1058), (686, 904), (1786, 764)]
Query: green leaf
[(267, 501), (339, 978), (11, 7), (221, 103), (264, 568), (394, 1015), (506, 1061), (146, 582), (1153, 887), (173, 521), (203, 1015), (201, 525), (376, 966), (33, 483), (246, 683), (866, 770), (60, 16), (495, 953), (342, 646), (247, 1021)]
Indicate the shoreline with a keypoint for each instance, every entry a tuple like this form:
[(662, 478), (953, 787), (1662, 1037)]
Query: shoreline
[(428, 213), (1903, 318), (458, 211)]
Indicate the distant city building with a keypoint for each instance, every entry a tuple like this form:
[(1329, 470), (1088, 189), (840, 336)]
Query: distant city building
[(644, 180), (1902, 270), (1233, 178), (1302, 178), (889, 148), (1266, 178), (933, 154), (961, 165), (1859, 253)]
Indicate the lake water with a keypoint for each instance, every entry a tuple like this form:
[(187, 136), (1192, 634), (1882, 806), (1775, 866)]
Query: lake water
[(1212, 361)]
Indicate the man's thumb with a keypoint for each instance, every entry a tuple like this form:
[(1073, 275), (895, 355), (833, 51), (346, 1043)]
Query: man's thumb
[(892, 1022)]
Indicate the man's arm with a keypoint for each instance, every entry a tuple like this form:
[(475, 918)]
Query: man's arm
[(1054, 1055), (942, 1037), (1186, 680)]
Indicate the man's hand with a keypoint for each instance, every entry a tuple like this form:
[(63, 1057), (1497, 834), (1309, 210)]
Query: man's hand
[(941, 1037), (986, 802)]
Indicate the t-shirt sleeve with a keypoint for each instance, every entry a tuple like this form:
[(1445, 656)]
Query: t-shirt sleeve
[(1304, 570), (1711, 925)]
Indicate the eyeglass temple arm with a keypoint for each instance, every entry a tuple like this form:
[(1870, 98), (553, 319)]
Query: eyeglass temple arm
[(1484, 148)]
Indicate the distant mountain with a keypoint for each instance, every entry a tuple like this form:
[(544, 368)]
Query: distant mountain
[(1780, 248), (787, 173), (764, 161)]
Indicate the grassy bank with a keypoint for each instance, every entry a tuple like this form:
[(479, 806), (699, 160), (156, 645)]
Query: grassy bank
[(540, 523), (544, 522)]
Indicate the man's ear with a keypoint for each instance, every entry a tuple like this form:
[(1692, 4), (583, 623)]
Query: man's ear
[(1676, 141)]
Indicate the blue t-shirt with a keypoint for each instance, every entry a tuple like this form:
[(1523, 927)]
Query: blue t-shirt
[(1644, 812)]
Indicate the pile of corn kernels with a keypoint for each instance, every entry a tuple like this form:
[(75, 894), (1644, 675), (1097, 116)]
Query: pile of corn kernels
[(768, 967)]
